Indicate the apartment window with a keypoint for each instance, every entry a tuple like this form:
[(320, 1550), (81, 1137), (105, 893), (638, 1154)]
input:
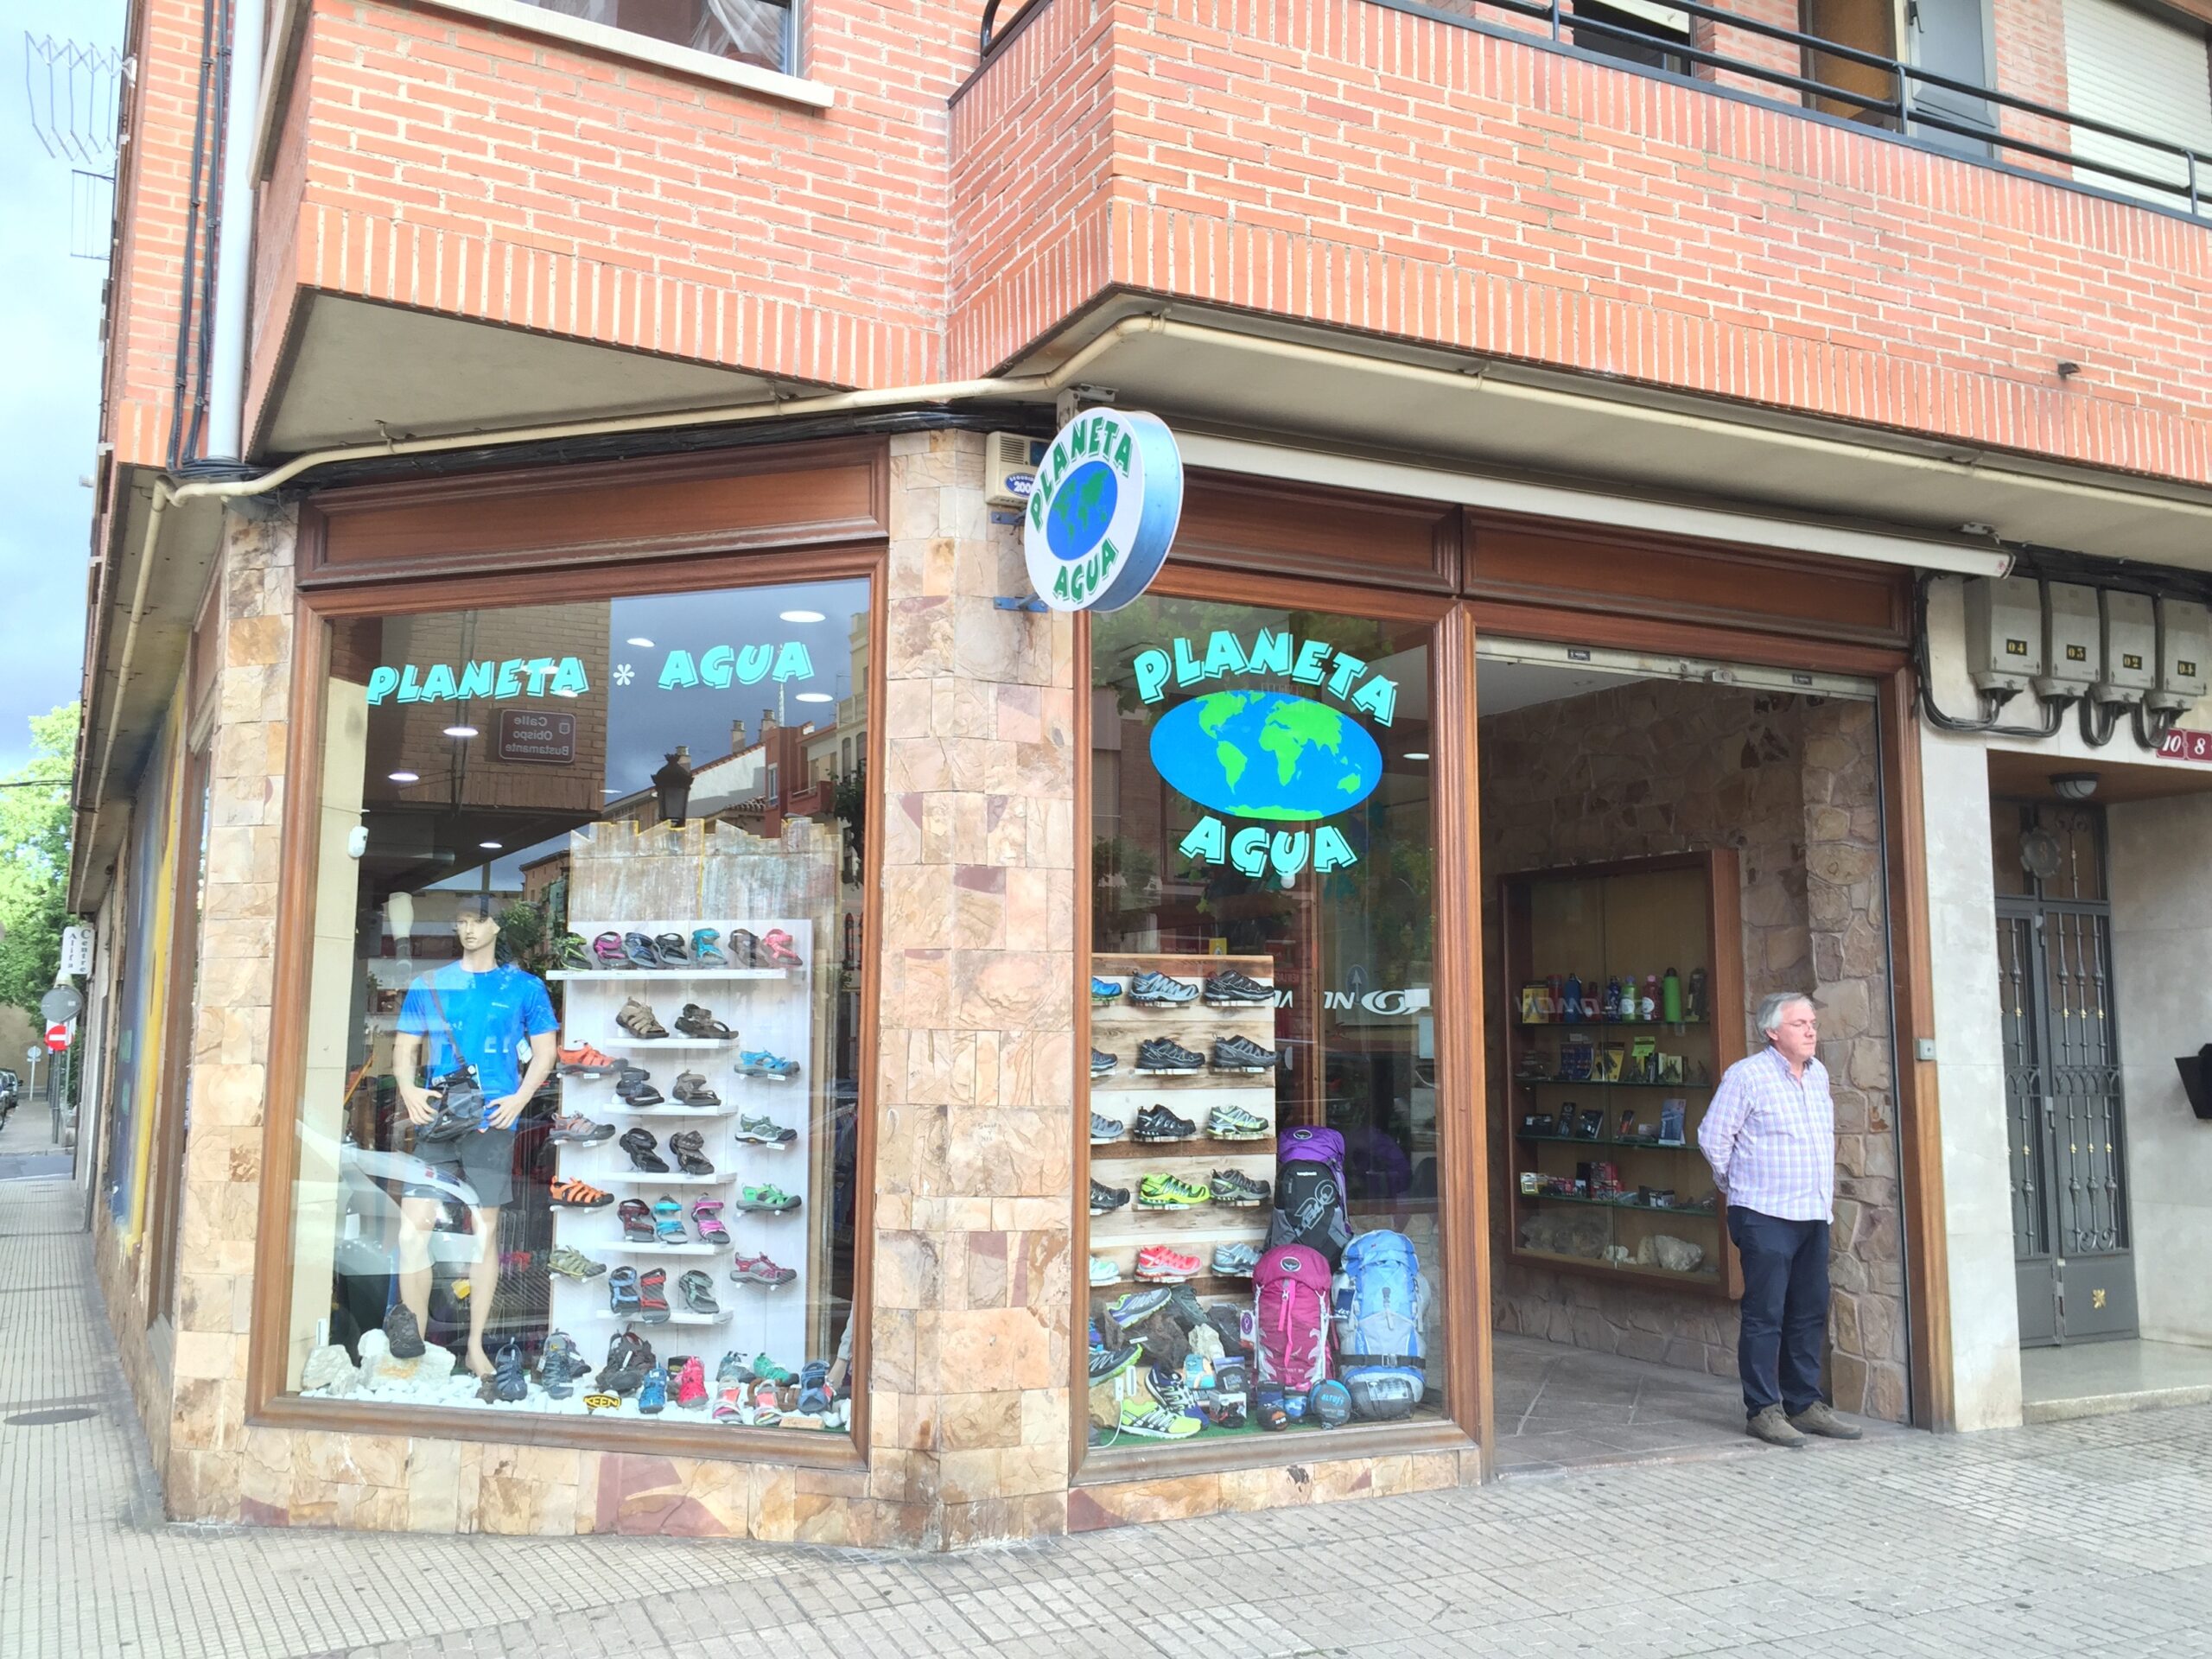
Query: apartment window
[(1634, 31), (762, 33)]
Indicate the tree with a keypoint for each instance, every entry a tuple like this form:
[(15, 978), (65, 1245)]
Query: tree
[(34, 860)]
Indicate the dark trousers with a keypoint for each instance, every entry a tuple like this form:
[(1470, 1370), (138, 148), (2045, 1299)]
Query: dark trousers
[(1785, 1311)]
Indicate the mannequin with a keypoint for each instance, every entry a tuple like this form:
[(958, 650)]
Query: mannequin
[(479, 1014)]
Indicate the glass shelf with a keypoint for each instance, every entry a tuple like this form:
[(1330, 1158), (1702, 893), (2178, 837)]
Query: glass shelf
[(1592, 1083), (1605, 1140), (1609, 1025), (1619, 1204)]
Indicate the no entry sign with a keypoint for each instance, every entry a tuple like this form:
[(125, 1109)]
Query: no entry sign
[(57, 1038)]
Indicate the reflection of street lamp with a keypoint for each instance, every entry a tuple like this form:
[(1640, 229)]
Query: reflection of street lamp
[(672, 786)]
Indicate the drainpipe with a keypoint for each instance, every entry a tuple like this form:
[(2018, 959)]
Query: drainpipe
[(234, 236)]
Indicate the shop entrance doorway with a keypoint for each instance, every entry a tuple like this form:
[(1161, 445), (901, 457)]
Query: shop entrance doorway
[(2072, 1241)]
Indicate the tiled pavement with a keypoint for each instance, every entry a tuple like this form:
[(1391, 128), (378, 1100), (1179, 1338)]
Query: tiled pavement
[(2089, 1539)]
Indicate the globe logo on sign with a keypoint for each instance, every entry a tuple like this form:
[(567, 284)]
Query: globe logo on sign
[(1081, 511), (1266, 754)]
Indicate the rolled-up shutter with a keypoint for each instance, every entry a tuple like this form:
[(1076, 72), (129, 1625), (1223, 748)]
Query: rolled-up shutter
[(2150, 75)]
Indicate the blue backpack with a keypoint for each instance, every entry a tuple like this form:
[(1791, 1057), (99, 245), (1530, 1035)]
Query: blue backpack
[(1381, 1301)]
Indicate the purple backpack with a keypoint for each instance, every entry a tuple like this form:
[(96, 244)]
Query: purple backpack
[(1290, 1316), (1309, 1193)]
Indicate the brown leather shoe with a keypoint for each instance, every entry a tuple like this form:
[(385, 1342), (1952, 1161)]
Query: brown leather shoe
[(1819, 1418), (1773, 1428)]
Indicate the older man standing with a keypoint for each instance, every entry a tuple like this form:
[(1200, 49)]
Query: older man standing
[(1770, 1135)]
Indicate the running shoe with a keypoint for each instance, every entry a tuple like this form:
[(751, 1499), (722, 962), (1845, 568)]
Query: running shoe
[(1102, 990), (652, 1392), (1239, 1191), (1105, 1199), (1158, 1265), (1243, 1054), (585, 1061), (577, 1195), (1155, 990), (1105, 1130), (1156, 1122), (760, 1062), (1103, 1272), (1106, 1364), (768, 1197), (572, 1263), (763, 1131), (576, 1130), (1236, 1261), (691, 1383), (1134, 1307), (1229, 988), (1164, 1057), (760, 1270), (1102, 1063), (1227, 1122), (1172, 1192), (1140, 1416)]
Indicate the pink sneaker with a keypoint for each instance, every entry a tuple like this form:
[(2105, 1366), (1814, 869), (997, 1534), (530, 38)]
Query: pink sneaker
[(691, 1384)]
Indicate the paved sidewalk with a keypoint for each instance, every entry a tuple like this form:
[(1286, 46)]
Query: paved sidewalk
[(27, 1147), (2091, 1540)]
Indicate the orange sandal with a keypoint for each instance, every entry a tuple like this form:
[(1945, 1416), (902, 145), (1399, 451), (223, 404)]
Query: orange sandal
[(577, 1195)]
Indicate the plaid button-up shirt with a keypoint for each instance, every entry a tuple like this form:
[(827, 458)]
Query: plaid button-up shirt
[(1770, 1138)]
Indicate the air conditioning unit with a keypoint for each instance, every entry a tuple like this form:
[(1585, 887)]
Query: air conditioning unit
[(1010, 464)]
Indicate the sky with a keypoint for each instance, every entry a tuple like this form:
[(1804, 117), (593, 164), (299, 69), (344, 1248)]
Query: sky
[(49, 394)]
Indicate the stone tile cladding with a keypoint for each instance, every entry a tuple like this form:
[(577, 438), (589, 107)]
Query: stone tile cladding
[(1657, 767), (1355, 164)]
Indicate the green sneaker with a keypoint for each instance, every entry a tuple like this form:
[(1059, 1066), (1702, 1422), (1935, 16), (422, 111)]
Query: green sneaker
[(1172, 1192), (771, 1197), (765, 1370), (1143, 1415)]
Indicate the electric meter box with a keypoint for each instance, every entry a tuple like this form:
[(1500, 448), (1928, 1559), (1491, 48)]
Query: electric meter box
[(2184, 650), (2070, 623), (2131, 647), (1010, 464), (2004, 633)]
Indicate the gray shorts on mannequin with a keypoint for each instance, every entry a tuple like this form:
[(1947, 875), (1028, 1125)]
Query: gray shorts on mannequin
[(480, 1162)]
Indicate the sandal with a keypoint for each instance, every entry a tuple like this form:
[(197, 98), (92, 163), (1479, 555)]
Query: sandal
[(637, 1221), (559, 1365), (633, 1089), (639, 950), (575, 956), (744, 947), (706, 948), (508, 1381), (623, 1295), (775, 949), (629, 1356), (691, 1090), (730, 1378), (696, 1022), (573, 1194), (607, 948), (638, 1019), (668, 1222), (814, 1386), (653, 1292), (698, 1293), (673, 952), (644, 1152), (707, 1216), (770, 1198), (691, 1152)]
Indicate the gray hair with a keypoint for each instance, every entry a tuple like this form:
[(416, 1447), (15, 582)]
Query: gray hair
[(1771, 1006)]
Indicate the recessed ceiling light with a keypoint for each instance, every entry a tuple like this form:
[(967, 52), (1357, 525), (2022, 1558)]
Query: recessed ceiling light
[(1416, 754), (801, 616), (640, 641), (491, 846), (814, 696), (461, 731), (406, 777)]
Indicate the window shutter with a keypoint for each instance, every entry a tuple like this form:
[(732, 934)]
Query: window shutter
[(2131, 69)]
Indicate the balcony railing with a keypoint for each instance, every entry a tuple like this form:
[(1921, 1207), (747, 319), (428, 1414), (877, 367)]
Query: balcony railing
[(1916, 102)]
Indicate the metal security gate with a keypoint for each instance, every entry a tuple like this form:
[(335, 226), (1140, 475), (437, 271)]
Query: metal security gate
[(2070, 1233)]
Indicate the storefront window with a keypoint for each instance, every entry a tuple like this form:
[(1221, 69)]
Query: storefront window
[(577, 1132), (1265, 1247)]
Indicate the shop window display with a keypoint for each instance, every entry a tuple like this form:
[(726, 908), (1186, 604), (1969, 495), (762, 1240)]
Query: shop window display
[(1265, 1247), (578, 1127)]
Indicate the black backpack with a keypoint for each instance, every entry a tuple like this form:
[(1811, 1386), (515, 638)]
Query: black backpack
[(1310, 1194)]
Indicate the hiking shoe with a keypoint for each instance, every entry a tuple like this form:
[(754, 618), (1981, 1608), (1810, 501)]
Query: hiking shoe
[(1155, 990), (644, 1152), (1103, 1272), (577, 1195), (585, 1061), (1141, 1416), (769, 1197), (1229, 988), (1170, 1193), (1235, 1261), (760, 1062), (1234, 1123), (1103, 990), (691, 1090), (706, 948), (559, 1365), (760, 1270), (763, 1131), (691, 1383), (1243, 1054), (1164, 1056), (1136, 1305), (1820, 1419), (579, 1131), (1239, 1191), (1105, 1130), (1106, 1364), (1770, 1426), (1104, 1199), (1156, 1122), (403, 1332), (1103, 1065), (638, 1019), (572, 1263), (1157, 1265), (652, 1392)]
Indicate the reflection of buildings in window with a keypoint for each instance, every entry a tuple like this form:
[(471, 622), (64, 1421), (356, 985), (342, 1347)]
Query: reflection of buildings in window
[(751, 31)]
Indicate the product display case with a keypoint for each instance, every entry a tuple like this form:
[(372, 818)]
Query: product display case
[(1622, 1006)]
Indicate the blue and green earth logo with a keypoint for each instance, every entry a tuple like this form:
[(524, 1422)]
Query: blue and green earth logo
[(1266, 754), (1081, 508)]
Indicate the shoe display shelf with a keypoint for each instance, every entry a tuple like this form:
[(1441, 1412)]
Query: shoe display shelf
[(769, 1008), (1639, 917), (1117, 1027)]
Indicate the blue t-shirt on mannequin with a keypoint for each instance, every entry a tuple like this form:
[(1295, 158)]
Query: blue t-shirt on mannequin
[(489, 1018)]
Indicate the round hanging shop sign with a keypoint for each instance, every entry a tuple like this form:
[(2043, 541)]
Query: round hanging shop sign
[(1103, 515)]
